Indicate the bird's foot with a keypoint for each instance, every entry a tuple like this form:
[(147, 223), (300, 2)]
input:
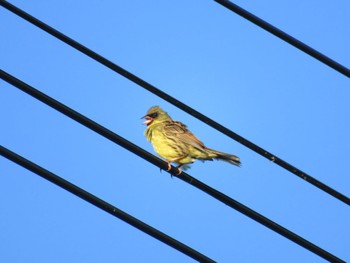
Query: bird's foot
[(179, 169), (169, 168)]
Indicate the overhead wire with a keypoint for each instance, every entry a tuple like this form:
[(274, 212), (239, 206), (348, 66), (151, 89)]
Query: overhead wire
[(107, 207), (163, 165), (286, 37), (88, 52)]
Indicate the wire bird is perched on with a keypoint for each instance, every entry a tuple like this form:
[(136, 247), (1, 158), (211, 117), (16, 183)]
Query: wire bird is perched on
[(175, 143)]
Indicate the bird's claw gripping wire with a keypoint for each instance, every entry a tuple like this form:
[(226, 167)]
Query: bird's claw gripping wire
[(169, 168)]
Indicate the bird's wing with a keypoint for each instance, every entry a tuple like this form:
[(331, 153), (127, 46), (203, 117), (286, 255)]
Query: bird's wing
[(178, 130)]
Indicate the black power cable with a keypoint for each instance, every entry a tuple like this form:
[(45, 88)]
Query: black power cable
[(163, 165), (175, 102), (284, 36), (53, 178)]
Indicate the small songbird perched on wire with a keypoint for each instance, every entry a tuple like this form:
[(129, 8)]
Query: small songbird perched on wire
[(175, 143)]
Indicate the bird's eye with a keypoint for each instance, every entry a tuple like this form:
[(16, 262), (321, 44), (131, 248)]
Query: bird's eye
[(153, 115)]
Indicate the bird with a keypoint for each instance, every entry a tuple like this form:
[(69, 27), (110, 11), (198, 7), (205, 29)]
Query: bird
[(172, 141)]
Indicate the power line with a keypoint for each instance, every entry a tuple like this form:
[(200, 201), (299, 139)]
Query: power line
[(284, 36), (175, 102), (81, 193), (163, 165)]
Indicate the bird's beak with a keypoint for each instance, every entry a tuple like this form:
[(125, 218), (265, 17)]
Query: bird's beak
[(148, 120)]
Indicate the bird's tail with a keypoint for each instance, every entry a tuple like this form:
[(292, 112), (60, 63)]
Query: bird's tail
[(232, 159)]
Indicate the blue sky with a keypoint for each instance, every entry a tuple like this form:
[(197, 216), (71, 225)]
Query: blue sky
[(216, 62)]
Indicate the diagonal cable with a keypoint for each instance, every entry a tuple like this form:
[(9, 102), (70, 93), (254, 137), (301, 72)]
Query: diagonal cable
[(88, 197), (175, 102), (163, 165), (286, 37)]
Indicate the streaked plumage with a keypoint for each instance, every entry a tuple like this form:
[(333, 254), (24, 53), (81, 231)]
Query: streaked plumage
[(175, 143)]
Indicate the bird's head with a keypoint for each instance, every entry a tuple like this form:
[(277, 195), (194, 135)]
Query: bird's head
[(155, 115)]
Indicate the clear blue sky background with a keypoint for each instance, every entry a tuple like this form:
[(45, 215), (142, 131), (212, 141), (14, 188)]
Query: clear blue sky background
[(214, 61)]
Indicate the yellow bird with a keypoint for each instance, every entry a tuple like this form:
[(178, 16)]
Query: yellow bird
[(175, 143)]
